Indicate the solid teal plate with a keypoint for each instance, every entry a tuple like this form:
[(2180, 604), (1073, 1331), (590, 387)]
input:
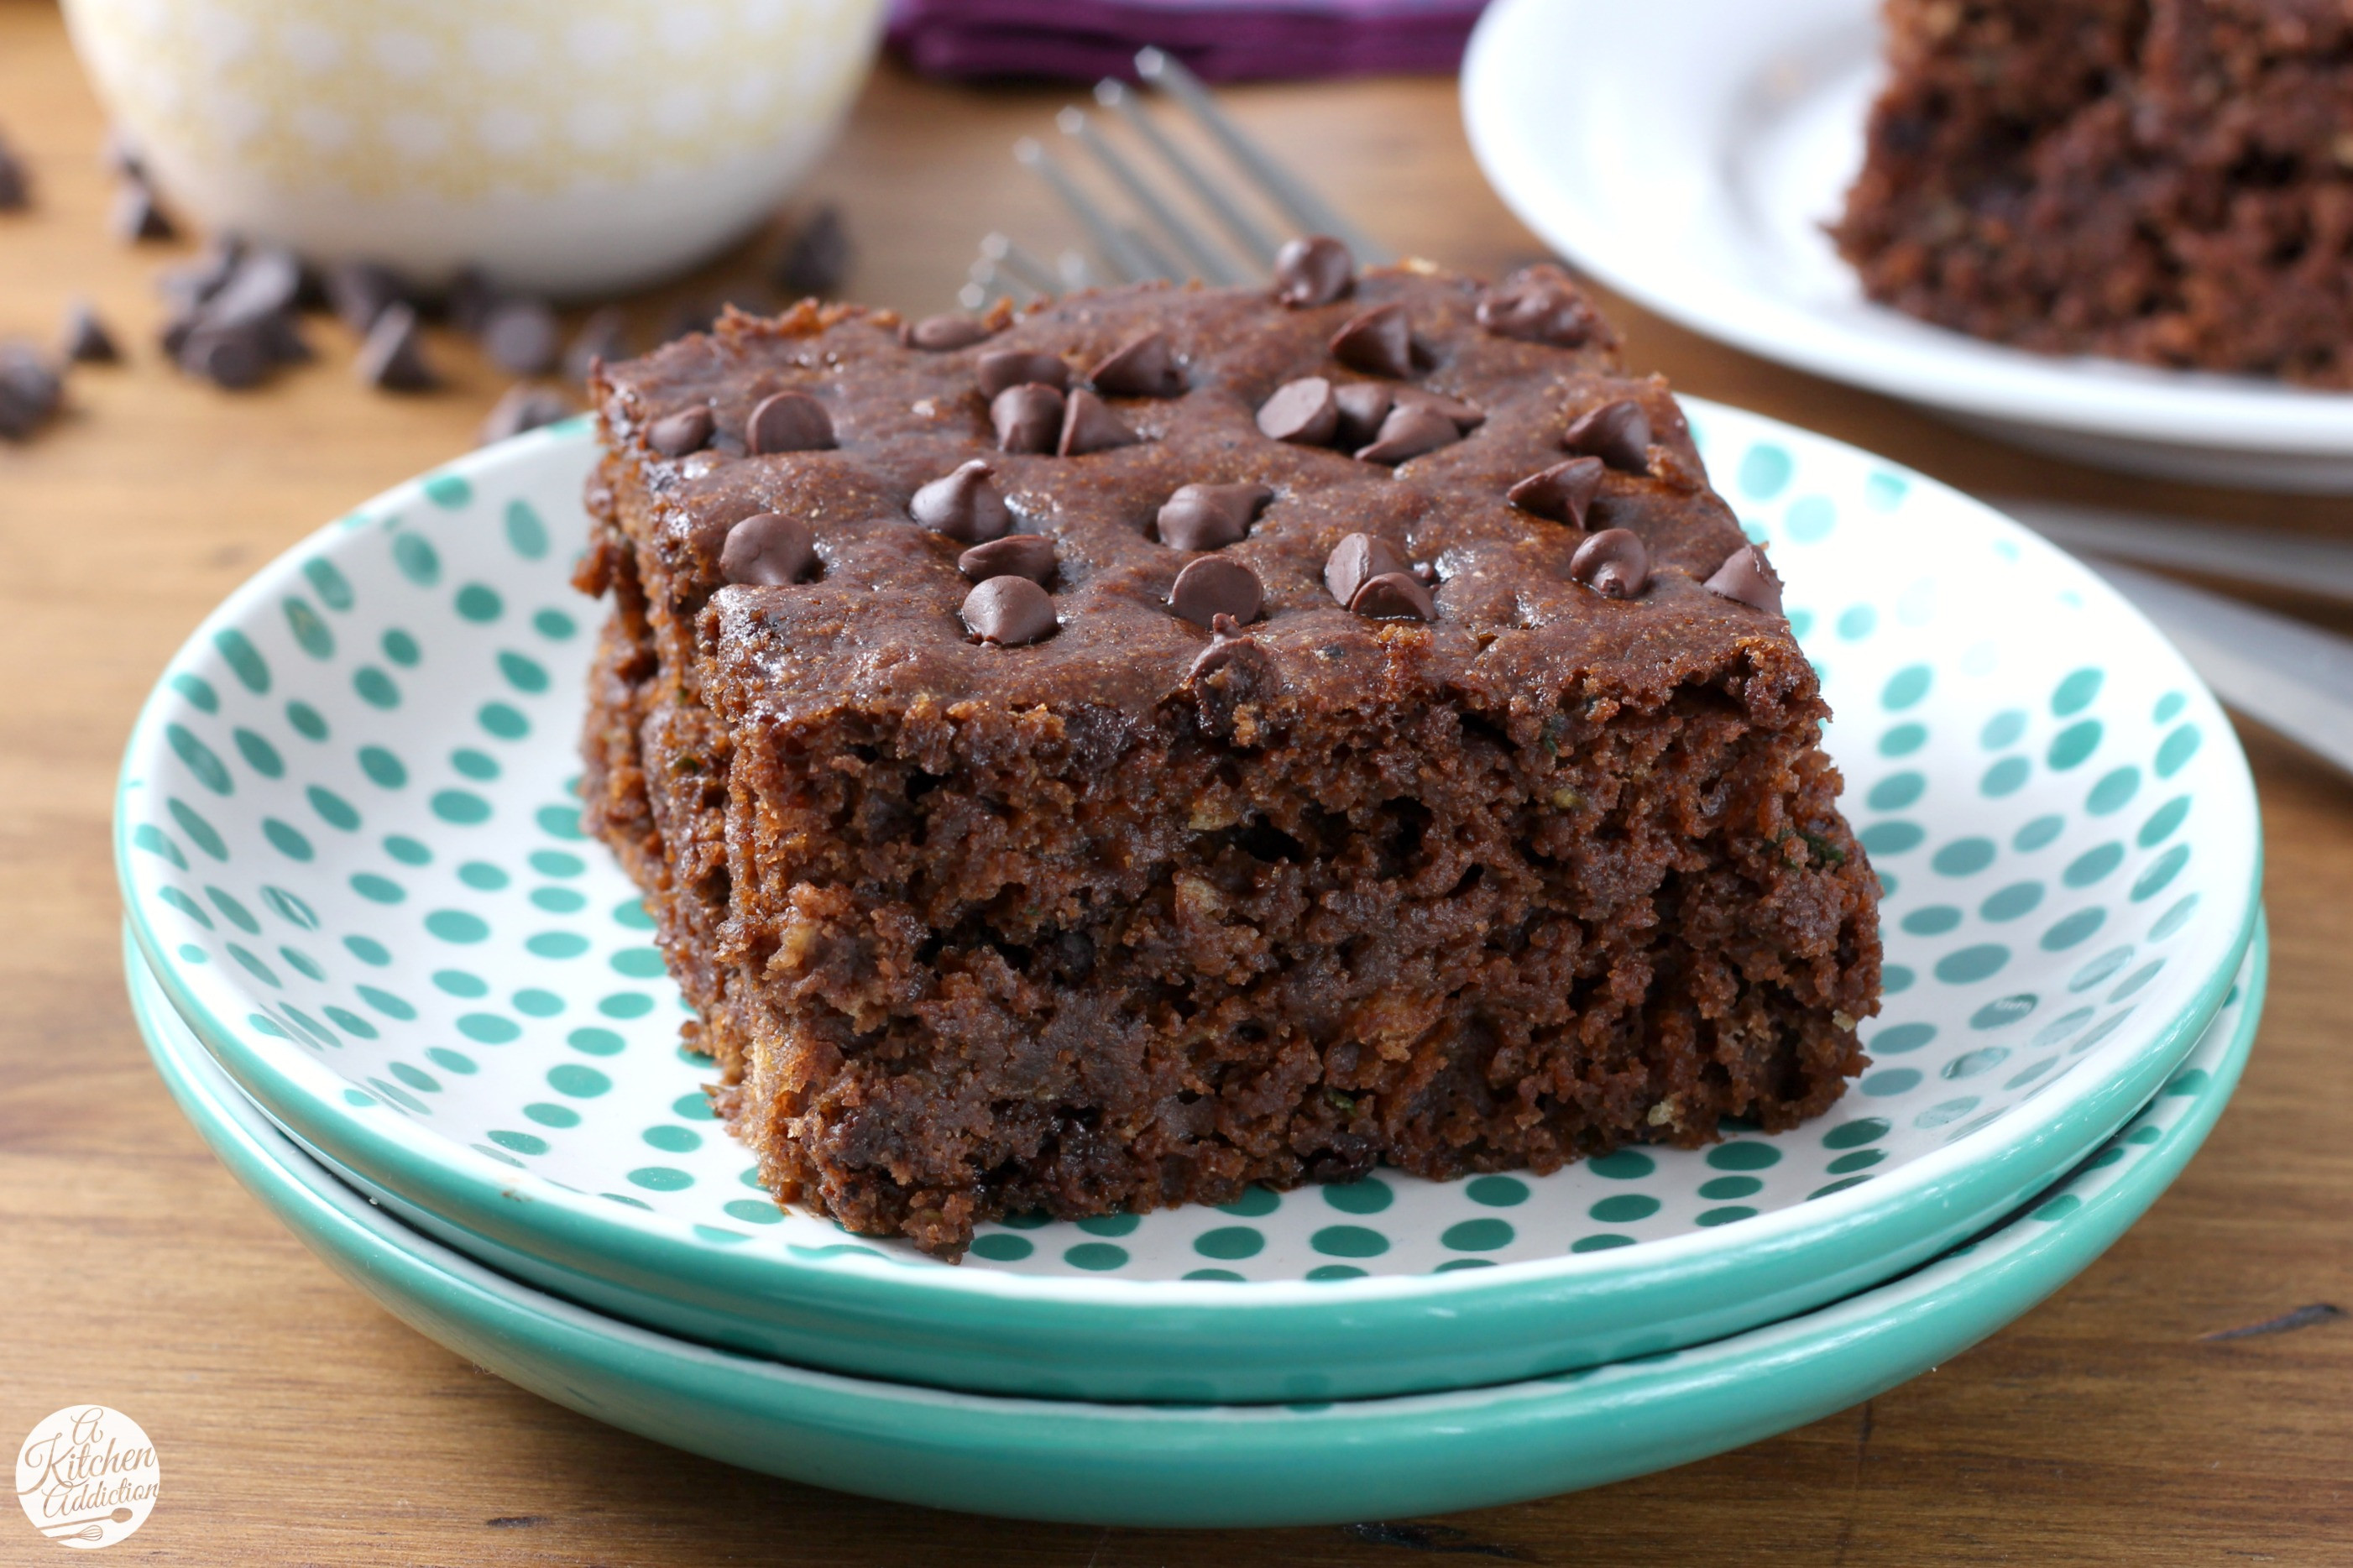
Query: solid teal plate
[(346, 848), (1212, 1465)]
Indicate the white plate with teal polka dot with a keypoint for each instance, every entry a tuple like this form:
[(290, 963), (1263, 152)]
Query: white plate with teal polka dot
[(349, 850)]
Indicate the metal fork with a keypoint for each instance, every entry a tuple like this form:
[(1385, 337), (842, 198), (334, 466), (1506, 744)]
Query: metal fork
[(2291, 678)]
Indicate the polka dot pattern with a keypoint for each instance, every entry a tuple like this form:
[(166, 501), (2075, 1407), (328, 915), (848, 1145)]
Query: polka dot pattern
[(397, 898)]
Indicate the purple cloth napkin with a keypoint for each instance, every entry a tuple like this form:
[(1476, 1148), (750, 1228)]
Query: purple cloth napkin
[(1222, 40)]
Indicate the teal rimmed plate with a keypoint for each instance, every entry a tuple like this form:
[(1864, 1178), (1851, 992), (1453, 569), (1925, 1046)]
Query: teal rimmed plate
[(347, 848), (1211, 1465)]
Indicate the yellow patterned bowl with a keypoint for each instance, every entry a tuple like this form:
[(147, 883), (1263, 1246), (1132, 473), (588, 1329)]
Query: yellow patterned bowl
[(567, 146)]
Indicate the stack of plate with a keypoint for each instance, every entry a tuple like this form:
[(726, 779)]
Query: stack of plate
[(422, 1018)]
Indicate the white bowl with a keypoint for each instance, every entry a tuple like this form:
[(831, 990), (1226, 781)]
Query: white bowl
[(563, 146)]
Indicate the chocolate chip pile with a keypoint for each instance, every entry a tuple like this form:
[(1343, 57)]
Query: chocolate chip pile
[(1039, 403)]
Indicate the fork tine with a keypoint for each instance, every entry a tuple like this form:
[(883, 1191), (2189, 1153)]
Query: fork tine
[(1110, 244), (1253, 240), (1016, 262), (1206, 263), (1302, 205)]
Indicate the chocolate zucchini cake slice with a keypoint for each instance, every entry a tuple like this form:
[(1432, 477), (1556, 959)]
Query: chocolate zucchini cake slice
[(2167, 180), (1174, 739)]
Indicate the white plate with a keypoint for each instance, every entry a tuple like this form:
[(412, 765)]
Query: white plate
[(1688, 155)]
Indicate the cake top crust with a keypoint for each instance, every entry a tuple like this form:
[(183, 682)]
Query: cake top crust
[(1161, 388)]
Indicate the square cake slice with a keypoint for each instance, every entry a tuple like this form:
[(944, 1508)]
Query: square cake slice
[(1173, 739), (2165, 181)]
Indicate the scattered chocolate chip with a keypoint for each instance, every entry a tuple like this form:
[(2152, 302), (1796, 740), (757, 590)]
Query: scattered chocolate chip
[(469, 300), (816, 257), (31, 390), (1467, 416), (393, 356), (15, 186), (604, 335), (1379, 342), (1538, 304), (963, 505), (135, 215), (1089, 426), (260, 283), (119, 155), (1358, 560), (234, 358), (1008, 610), (1747, 576), (1409, 432), (676, 434), (1018, 367), (1363, 405), (86, 340), (1618, 433), (525, 407), (767, 550), (191, 282), (1315, 271), (1393, 596), (359, 290), (1614, 563), (1563, 493), (1028, 418), (1302, 411), (1142, 367), (522, 337), (1217, 585), (941, 333), (1029, 556), (1209, 517), (789, 422)]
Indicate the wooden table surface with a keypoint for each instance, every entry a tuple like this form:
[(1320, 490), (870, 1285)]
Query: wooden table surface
[(298, 1423)]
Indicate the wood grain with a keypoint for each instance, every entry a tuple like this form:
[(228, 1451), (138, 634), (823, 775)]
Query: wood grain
[(298, 1424)]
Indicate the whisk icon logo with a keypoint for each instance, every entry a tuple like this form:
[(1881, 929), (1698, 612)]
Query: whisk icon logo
[(88, 1476)]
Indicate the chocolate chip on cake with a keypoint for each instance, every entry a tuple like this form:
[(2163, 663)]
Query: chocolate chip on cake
[(1209, 517), (1614, 563), (86, 340), (1618, 433), (1379, 342), (1393, 596), (1358, 559), (1363, 405), (1142, 367), (676, 434), (522, 337), (963, 505), (1028, 418), (1312, 270), (943, 333), (1089, 426), (789, 422), (1746, 576), (1018, 367), (1217, 585), (393, 356), (1563, 493), (522, 408), (1302, 411), (1409, 430), (1538, 305), (1008, 610), (1029, 556), (1467, 416), (767, 550)]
